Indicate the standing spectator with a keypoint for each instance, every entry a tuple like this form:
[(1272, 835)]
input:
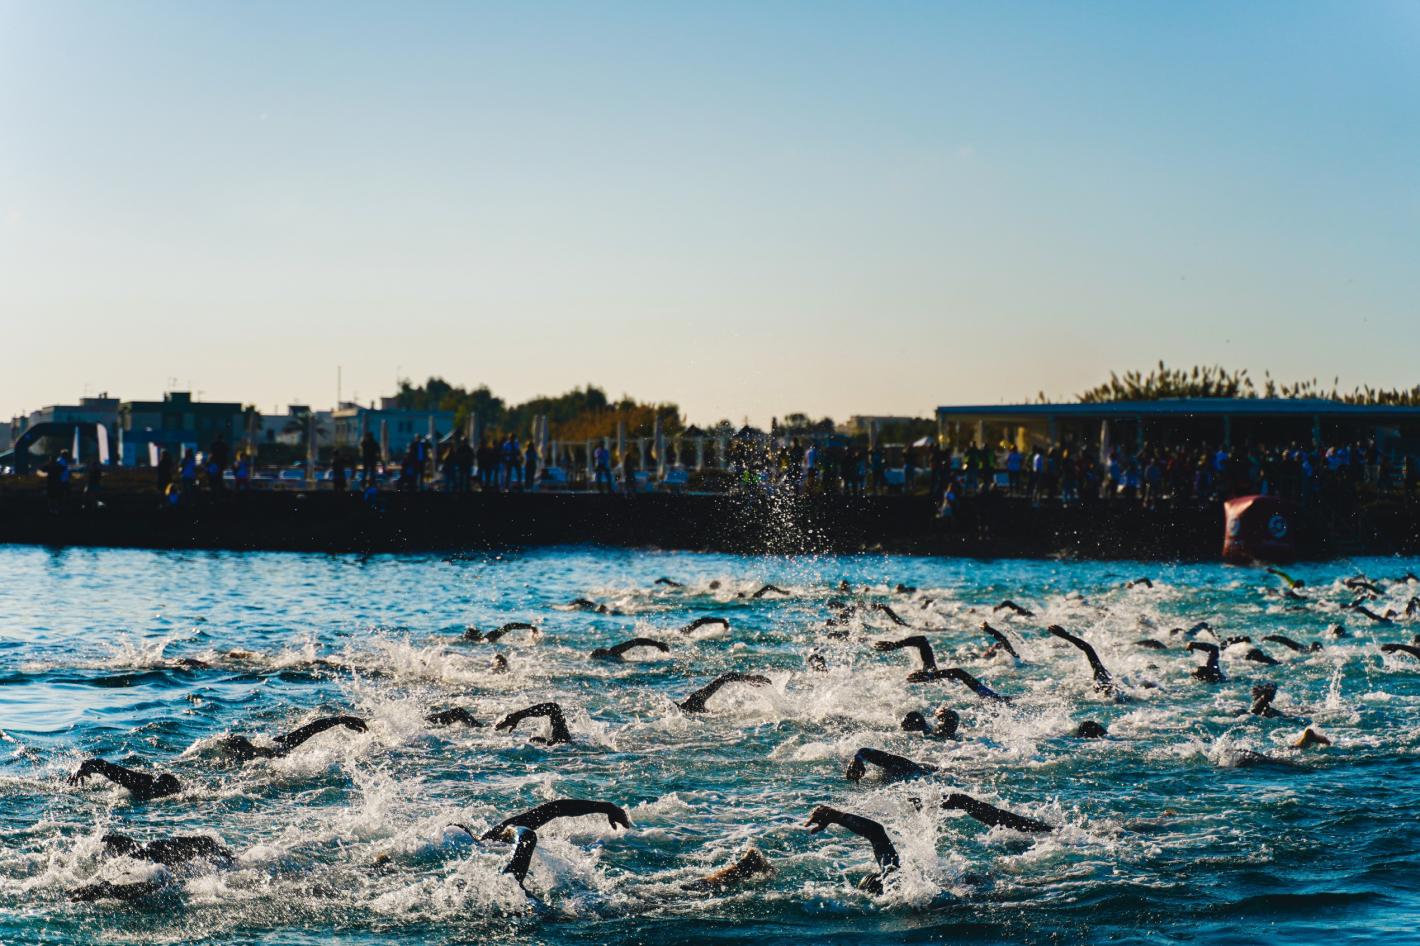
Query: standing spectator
[(601, 468), (188, 472), (242, 472), (337, 470), (369, 459), (530, 465), (165, 471), (218, 456)]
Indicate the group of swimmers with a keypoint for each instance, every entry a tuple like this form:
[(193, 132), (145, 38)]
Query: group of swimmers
[(944, 723)]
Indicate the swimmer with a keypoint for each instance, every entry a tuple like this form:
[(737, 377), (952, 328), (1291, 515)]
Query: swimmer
[(617, 653), (698, 623), (895, 767), (1103, 682), (492, 637), (1194, 631), (892, 615), (1412, 607), (884, 853), (1262, 696), (1258, 656), (1410, 649), (1362, 583), (695, 702), (816, 663), (1208, 672), (1002, 642), (902, 589), (499, 664), (668, 582), (1367, 612), (1151, 644), (560, 733), (962, 677), (1010, 605), (103, 890), (1310, 737), (142, 786), (769, 590), (583, 604), (1090, 729), (994, 817), (1139, 583), (947, 721), (535, 818), (924, 653), (169, 851), (1287, 579), (749, 865), (241, 748), (456, 714), (1290, 644)]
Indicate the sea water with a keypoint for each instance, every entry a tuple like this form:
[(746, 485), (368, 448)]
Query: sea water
[(1163, 834)]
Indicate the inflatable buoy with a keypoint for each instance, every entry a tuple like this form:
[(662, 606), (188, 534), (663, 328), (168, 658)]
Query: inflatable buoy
[(1259, 529)]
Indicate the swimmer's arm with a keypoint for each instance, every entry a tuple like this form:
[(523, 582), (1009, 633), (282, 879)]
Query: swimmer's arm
[(136, 782), (883, 850), (1001, 639), (522, 854), (992, 816), (448, 717), (918, 642), (975, 685), (695, 703), (293, 739), (561, 808)]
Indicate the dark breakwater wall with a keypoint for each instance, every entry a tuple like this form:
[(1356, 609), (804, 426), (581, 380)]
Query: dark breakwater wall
[(326, 522)]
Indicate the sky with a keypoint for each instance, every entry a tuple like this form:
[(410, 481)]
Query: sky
[(749, 209)]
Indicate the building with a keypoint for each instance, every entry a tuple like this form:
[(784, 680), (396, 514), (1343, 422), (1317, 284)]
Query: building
[(290, 428), (176, 423), (1227, 421), (859, 424), (394, 426)]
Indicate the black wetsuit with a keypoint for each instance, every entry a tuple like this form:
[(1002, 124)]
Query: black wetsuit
[(695, 702), (553, 712), (992, 816), (1002, 641), (698, 623), (895, 767), (618, 652), (493, 636), (453, 715), (142, 786), (242, 749), (535, 818), (918, 643), (1210, 671), (1103, 682), (883, 850), (169, 851)]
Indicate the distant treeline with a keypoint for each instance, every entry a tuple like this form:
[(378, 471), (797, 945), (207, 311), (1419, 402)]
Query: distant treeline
[(584, 413), (1215, 381)]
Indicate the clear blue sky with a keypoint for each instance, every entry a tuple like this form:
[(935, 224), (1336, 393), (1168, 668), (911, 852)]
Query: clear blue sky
[(747, 208)]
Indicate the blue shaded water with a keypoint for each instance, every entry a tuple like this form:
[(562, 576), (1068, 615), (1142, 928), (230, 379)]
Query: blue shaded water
[(1163, 836)]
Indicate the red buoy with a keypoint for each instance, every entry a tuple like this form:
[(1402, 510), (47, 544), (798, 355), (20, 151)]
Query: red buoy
[(1259, 529)]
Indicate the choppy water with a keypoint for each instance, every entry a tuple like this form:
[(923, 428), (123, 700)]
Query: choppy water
[(1163, 837)]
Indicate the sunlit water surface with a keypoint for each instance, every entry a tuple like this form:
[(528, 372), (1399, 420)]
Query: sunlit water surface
[(1163, 836)]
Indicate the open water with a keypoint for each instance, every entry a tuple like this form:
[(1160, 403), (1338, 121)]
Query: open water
[(1164, 835)]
